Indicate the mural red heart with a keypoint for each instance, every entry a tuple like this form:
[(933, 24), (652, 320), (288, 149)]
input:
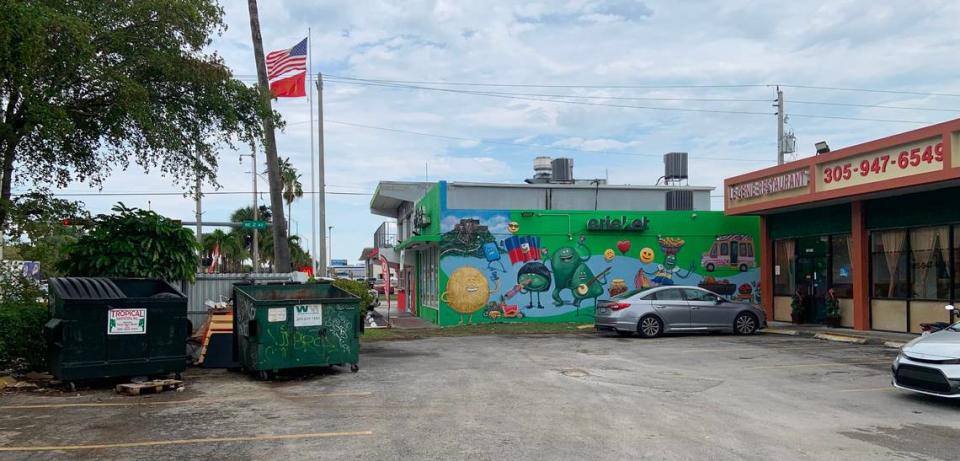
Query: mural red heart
[(623, 246)]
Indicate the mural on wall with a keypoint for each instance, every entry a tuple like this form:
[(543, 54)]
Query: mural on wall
[(503, 262)]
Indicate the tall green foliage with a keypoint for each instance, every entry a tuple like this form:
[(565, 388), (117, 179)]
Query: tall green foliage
[(22, 316), (133, 243), (91, 85)]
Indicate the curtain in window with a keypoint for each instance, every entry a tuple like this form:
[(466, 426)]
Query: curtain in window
[(926, 246), (789, 250), (893, 242)]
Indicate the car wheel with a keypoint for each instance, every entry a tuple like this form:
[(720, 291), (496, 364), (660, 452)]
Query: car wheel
[(745, 324), (650, 327)]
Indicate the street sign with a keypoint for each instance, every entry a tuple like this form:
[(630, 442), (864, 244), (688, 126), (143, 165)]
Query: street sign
[(251, 224)]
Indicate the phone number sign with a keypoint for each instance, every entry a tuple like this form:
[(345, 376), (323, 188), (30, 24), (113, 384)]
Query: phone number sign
[(902, 161), (126, 321)]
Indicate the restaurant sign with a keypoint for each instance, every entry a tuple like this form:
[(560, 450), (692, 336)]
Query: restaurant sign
[(771, 185), (896, 162)]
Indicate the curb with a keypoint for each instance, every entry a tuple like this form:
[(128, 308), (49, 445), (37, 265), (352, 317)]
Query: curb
[(837, 337), (778, 331), (841, 338)]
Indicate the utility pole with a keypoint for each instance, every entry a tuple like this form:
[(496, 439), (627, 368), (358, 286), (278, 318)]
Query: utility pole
[(197, 196), (321, 191), (780, 144), (256, 210), (330, 237), (281, 248), (313, 162)]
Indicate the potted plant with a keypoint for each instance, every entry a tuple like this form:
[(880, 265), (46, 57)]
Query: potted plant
[(833, 309), (796, 307)]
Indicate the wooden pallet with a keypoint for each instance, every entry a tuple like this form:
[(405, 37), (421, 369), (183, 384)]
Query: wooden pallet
[(149, 387)]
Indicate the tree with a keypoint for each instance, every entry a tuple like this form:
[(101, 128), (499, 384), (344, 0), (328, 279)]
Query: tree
[(232, 248), (133, 243), (41, 226), (88, 85), (281, 251), (292, 188), (298, 256)]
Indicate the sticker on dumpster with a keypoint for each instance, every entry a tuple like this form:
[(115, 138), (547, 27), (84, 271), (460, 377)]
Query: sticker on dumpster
[(277, 314), (127, 322), (307, 315)]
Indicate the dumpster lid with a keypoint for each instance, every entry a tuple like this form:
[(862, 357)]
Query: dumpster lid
[(85, 288)]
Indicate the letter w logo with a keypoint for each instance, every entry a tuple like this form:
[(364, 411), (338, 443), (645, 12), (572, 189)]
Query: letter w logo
[(303, 309)]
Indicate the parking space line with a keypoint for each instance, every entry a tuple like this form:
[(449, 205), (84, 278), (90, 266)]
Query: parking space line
[(153, 443), (176, 402), (764, 346), (868, 389), (827, 364)]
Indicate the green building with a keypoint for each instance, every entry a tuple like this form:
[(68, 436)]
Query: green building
[(480, 252)]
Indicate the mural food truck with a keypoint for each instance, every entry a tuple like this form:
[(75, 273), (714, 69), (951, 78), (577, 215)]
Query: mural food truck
[(734, 251)]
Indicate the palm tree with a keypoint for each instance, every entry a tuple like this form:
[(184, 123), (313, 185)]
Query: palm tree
[(232, 248), (290, 180), (298, 257)]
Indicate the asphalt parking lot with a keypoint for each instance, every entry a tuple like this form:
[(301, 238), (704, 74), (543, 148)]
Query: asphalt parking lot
[(522, 397)]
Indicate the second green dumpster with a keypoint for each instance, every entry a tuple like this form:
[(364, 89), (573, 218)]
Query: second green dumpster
[(296, 326)]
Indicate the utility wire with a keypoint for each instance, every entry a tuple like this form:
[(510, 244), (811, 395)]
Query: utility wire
[(746, 85), (582, 103), (187, 194), (513, 144), (675, 109)]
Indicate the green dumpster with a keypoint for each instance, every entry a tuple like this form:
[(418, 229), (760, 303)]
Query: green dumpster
[(109, 328), (296, 326)]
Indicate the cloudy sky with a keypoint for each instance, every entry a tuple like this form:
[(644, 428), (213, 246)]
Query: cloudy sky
[(708, 65)]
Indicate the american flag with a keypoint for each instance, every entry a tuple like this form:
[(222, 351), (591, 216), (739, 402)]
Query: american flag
[(283, 61)]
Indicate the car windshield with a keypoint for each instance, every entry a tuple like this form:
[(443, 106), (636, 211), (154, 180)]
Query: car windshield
[(954, 327)]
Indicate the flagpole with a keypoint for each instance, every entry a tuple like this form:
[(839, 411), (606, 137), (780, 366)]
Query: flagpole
[(313, 162)]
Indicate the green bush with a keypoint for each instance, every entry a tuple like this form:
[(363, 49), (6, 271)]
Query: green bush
[(360, 289), (22, 316)]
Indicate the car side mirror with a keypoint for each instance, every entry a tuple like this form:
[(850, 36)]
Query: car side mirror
[(718, 300)]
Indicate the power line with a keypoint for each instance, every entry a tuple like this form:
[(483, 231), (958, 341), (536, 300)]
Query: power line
[(870, 90), (582, 103), (675, 109), (879, 106), (513, 144), (667, 86), (184, 194)]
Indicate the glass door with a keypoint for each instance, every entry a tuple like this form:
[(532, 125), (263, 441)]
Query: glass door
[(812, 277)]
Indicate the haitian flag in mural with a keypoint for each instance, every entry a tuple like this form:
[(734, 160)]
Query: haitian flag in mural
[(523, 249)]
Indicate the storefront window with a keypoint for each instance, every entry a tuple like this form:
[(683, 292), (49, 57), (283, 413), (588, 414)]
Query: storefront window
[(784, 258), (929, 259), (889, 264), (841, 277), (429, 273)]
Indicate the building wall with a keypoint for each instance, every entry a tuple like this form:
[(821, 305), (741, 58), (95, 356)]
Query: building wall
[(485, 254), (544, 197)]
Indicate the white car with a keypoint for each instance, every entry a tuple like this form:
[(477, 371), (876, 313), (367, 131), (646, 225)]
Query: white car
[(930, 364)]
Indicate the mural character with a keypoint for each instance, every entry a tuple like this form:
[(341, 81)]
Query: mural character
[(565, 261), (666, 270), (570, 272), (534, 277), (588, 285), (467, 291)]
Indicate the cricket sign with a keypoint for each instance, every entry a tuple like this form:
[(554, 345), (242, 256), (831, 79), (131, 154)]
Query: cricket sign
[(127, 322), (307, 315)]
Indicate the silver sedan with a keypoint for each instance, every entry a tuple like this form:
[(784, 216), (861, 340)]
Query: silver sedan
[(673, 309), (930, 364)]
